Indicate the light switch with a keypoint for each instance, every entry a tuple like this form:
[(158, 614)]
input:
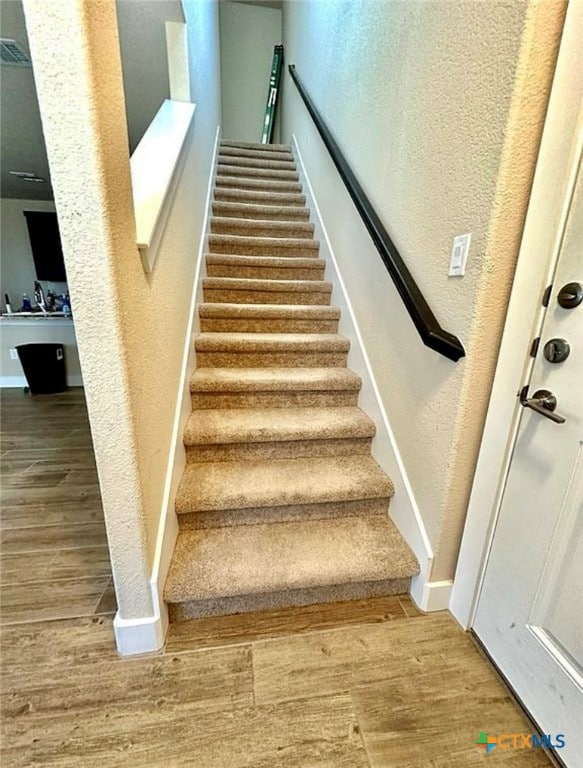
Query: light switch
[(13, 354), (459, 255)]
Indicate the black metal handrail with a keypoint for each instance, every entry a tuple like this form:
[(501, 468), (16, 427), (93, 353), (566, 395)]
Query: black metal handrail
[(431, 332)]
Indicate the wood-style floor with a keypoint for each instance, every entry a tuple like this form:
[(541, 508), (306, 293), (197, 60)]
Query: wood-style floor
[(369, 684)]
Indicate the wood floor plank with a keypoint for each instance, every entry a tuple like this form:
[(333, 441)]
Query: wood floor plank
[(315, 733), (80, 562), (98, 707), (80, 493), (56, 513), (406, 719), (245, 627), (54, 537), (25, 647), (25, 566), (338, 660), (22, 480), (57, 599)]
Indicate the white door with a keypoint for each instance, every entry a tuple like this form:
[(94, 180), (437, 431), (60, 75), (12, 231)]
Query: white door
[(530, 609)]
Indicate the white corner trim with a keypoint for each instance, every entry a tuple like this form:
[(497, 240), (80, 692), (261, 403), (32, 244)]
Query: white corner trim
[(433, 596), (156, 165), (403, 509), (168, 523), (143, 635)]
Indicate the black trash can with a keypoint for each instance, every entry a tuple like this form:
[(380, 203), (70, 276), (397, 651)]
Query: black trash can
[(44, 367)]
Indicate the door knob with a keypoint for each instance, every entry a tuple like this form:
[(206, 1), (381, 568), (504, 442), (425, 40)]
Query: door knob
[(570, 295), (543, 402), (556, 350)]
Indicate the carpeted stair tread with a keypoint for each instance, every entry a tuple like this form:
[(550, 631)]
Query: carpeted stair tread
[(258, 196), (266, 286), (263, 425), (271, 342), (275, 311), (276, 557), (263, 246), (265, 185), (264, 267), (280, 482), (258, 154), (257, 146), (272, 174), (273, 379), (273, 163), (226, 225), (263, 212)]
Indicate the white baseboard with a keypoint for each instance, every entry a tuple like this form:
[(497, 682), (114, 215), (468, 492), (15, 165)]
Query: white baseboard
[(432, 595), (168, 525), (403, 509), (19, 382), (143, 635)]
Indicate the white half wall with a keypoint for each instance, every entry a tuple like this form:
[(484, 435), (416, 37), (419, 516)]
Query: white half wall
[(132, 349)]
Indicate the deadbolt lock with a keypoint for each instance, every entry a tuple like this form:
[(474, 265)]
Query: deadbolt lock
[(556, 350), (570, 295)]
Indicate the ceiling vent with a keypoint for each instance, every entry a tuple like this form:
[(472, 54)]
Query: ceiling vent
[(12, 53)]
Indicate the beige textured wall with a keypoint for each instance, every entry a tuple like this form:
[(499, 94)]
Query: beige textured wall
[(248, 34), (438, 107), (130, 326)]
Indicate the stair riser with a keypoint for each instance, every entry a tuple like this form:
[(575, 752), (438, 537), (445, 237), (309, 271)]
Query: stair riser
[(257, 248), (230, 296), (252, 197), (255, 154), (313, 399), (288, 449), (274, 600), (256, 173), (265, 273), (255, 146), (251, 229), (271, 359), (266, 325), (266, 162), (226, 518), (237, 182), (264, 212)]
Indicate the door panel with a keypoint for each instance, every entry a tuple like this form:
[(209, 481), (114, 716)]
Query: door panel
[(530, 610)]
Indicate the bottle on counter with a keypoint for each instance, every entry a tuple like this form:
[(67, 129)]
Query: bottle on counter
[(26, 305), (66, 308), (8, 304)]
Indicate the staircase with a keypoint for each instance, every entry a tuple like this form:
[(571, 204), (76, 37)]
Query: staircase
[(281, 502)]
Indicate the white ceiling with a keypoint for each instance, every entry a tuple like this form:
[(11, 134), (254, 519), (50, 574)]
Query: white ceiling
[(145, 71)]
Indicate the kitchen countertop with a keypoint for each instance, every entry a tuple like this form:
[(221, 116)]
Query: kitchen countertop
[(26, 317)]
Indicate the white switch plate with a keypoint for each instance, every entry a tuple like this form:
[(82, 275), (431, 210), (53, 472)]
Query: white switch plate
[(459, 255), (13, 354)]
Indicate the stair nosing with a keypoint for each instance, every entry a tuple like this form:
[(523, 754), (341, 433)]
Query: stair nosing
[(379, 485), (233, 381), (354, 425)]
